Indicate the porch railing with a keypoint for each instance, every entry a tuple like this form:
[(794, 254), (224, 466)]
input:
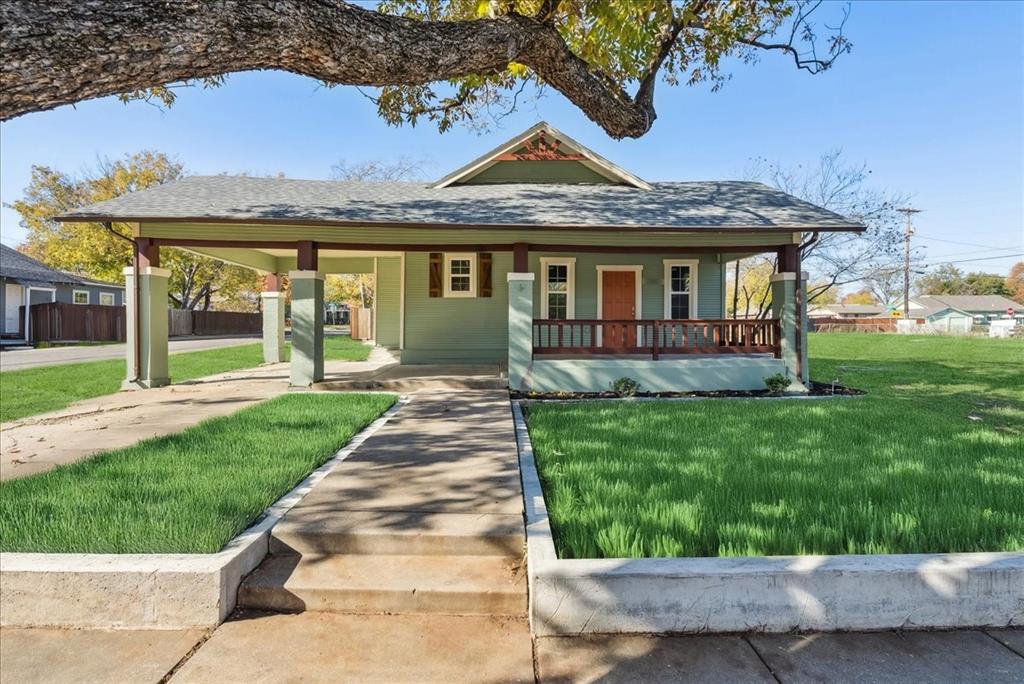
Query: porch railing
[(656, 337)]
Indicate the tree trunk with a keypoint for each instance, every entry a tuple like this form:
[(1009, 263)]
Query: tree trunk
[(64, 51)]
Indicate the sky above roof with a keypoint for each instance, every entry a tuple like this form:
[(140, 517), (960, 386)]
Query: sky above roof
[(932, 99)]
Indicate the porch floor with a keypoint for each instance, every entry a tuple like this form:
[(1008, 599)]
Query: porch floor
[(383, 372)]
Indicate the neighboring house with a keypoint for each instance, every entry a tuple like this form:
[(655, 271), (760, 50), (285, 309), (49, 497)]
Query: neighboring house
[(540, 255), (959, 313), (848, 311), (26, 281)]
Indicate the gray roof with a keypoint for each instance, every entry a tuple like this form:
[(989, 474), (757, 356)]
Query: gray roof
[(29, 271), (934, 304), (714, 205)]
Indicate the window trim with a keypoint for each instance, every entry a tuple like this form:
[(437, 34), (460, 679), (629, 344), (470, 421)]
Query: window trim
[(113, 298), (88, 297), (570, 285), (458, 294), (693, 264)]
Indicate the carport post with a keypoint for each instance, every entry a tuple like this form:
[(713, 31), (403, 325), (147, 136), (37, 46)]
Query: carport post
[(307, 365), (520, 329), (146, 327), (273, 319)]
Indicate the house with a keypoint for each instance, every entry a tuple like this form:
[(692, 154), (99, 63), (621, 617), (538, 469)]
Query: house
[(25, 281), (958, 313), (540, 255), (848, 311)]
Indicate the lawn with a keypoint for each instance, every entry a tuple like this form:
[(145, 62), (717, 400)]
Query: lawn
[(190, 492), (39, 390), (931, 460)]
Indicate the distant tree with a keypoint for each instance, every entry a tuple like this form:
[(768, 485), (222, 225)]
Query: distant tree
[(1015, 282), (91, 250), (400, 169), (946, 279), (986, 284), (837, 259), (886, 285), (748, 290), (863, 296)]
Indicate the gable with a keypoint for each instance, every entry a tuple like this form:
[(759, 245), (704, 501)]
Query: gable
[(541, 154)]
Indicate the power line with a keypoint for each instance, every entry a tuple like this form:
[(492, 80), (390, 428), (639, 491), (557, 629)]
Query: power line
[(963, 261), (957, 242)]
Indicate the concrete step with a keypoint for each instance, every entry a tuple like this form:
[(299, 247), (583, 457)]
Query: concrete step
[(441, 585), (413, 533)]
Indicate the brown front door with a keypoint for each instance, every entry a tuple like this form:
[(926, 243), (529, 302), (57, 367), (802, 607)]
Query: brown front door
[(618, 302)]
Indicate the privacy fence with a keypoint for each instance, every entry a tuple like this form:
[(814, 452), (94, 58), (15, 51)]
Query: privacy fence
[(61, 322)]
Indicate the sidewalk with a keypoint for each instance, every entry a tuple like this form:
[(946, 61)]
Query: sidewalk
[(19, 359)]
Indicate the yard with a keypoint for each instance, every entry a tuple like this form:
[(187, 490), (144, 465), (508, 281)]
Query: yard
[(931, 460), (39, 390), (189, 492)]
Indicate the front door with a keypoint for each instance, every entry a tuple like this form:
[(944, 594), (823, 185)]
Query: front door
[(12, 303), (618, 302)]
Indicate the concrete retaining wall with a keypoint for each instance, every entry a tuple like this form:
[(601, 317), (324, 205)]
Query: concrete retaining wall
[(134, 591), (770, 594), (670, 374)]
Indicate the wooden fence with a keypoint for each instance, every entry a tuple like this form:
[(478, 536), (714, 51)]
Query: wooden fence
[(62, 322), (864, 325)]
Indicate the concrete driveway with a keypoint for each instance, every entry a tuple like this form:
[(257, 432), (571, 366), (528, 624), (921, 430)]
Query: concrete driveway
[(18, 359)]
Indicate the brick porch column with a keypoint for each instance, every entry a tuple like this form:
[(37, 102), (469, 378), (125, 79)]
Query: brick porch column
[(307, 365), (784, 308), (520, 329), (149, 339), (273, 319)]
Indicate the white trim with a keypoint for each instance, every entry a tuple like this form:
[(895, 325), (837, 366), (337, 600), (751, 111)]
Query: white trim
[(447, 272), (785, 275), (401, 304), (156, 271), (694, 264), (512, 275), (570, 286), (13, 304), (638, 305), (305, 275), (113, 298), (75, 293)]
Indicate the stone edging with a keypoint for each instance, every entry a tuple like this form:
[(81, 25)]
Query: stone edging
[(163, 591), (763, 594)]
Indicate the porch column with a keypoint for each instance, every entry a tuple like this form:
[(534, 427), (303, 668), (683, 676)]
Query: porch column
[(307, 365), (520, 329), (784, 308), (805, 369), (273, 319), (146, 327)]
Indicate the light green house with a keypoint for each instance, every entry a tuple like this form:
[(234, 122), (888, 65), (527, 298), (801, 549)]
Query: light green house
[(540, 254)]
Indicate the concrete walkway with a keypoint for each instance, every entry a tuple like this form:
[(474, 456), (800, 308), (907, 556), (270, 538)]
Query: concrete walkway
[(19, 359)]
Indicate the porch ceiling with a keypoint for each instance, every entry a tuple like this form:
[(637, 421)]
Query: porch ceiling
[(277, 260)]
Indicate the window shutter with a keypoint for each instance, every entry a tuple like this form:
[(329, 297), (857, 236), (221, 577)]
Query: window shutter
[(436, 274), (484, 259)]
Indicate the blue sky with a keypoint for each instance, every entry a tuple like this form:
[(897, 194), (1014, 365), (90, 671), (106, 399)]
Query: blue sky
[(932, 99)]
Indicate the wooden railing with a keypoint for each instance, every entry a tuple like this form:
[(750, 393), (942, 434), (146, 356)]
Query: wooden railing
[(655, 337)]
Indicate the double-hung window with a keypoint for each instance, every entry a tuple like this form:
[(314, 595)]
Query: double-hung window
[(681, 289), (459, 275), (107, 298), (80, 296), (558, 288)]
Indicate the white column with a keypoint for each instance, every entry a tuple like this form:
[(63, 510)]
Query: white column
[(520, 329)]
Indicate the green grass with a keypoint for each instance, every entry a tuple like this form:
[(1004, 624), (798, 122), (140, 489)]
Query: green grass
[(931, 460), (39, 390), (189, 492)]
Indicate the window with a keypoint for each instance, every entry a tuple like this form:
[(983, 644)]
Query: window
[(107, 298), (681, 289), (459, 275), (558, 288), (80, 296)]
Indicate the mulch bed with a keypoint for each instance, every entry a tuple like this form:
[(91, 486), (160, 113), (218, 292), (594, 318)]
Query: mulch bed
[(817, 389)]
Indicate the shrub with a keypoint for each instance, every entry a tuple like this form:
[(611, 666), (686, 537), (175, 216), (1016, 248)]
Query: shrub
[(776, 384), (625, 387)]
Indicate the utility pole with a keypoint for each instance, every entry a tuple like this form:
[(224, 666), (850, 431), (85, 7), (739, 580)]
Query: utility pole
[(909, 213)]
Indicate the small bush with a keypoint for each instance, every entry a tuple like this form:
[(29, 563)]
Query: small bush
[(776, 384), (625, 387)]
